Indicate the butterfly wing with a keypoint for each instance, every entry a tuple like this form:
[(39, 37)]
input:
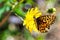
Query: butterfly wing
[(44, 22)]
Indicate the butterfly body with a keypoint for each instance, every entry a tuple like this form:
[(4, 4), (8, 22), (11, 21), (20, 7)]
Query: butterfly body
[(44, 22)]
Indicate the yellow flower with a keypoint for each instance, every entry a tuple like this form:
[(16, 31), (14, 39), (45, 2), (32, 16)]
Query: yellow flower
[(29, 20)]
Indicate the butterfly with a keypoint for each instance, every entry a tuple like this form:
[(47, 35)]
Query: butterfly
[(44, 22)]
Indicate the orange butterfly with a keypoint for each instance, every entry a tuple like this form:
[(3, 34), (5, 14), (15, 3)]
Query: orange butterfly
[(44, 22)]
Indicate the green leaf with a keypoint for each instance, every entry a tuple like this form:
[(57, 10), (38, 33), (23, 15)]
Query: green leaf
[(5, 8), (12, 1), (19, 12), (1, 1), (30, 1), (2, 10)]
